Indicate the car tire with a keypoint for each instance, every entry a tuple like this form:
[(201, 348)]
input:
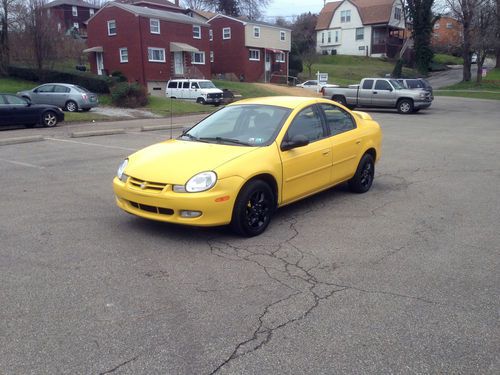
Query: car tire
[(253, 209), (340, 99), (363, 178), (200, 101), (71, 106), (405, 106), (49, 119)]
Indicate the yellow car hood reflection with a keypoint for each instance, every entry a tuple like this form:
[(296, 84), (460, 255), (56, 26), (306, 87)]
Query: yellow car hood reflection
[(176, 161)]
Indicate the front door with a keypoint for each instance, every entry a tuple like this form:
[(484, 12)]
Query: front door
[(306, 169), (178, 64), (99, 62), (268, 66)]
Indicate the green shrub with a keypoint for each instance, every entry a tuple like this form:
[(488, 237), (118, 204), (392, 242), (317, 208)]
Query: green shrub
[(130, 95), (90, 82), (119, 76)]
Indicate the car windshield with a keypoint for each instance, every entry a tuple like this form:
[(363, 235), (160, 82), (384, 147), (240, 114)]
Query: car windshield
[(207, 85), (244, 125), (396, 84)]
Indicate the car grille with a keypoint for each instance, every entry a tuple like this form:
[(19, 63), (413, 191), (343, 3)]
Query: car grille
[(152, 209), (156, 187), (214, 96)]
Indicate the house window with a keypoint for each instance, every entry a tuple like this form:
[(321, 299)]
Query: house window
[(76, 26), (360, 33), (154, 26), (256, 32), (112, 27), (345, 16), (156, 54), (323, 38), (211, 56), (337, 36), (226, 33), (254, 55), (74, 11), (280, 57), (210, 35), (329, 37), (397, 13), (282, 36), (91, 12), (196, 32), (123, 55), (449, 25), (198, 58), (436, 26)]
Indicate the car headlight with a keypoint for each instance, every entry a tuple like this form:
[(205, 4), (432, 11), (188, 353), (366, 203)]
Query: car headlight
[(200, 182), (121, 168)]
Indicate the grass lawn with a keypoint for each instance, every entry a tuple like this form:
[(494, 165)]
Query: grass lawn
[(346, 70), (441, 58), (489, 88), (164, 106), (14, 85)]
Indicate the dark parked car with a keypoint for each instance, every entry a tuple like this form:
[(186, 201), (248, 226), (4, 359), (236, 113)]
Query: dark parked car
[(416, 83), (19, 111), (66, 96)]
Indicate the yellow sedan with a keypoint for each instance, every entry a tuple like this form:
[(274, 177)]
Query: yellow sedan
[(247, 159)]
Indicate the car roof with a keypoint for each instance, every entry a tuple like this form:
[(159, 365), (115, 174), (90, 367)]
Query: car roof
[(282, 101)]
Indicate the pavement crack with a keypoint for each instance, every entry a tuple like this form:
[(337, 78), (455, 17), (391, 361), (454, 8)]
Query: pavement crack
[(118, 366)]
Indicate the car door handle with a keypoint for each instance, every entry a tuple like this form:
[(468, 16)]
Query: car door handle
[(358, 141), (325, 152), (375, 92)]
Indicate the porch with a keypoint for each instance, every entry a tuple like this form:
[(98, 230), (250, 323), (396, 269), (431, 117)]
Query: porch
[(387, 41)]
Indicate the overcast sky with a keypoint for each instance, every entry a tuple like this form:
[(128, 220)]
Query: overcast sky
[(289, 8)]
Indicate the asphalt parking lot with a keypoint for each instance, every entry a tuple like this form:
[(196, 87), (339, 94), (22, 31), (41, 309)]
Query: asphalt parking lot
[(403, 279)]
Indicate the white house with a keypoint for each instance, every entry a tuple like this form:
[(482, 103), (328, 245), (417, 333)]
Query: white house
[(361, 27)]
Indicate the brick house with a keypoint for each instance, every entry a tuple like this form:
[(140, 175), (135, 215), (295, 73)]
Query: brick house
[(69, 14), (249, 50), (148, 46), (447, 34)]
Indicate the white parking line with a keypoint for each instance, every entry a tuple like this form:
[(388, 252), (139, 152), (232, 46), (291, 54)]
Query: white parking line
[(90, 144), (22, 164)]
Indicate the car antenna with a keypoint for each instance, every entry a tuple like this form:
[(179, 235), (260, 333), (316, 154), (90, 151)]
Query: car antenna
[(171, 118)]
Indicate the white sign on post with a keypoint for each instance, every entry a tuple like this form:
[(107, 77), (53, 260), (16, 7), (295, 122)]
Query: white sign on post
[(322, 79)]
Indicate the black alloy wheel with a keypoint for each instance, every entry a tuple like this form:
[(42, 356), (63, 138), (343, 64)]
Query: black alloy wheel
[(363, 179), (253, 209)]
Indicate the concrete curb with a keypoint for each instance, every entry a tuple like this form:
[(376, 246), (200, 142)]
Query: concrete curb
[(13, 141), (160, 127), (93, 133)]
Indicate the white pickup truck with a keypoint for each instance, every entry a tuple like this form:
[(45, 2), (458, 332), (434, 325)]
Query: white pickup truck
[(380, 93)]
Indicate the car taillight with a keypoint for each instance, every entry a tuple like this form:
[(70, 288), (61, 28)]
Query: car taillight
[(85, 97)]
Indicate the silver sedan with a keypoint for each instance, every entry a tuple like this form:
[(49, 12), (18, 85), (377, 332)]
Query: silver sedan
[(69, 97)]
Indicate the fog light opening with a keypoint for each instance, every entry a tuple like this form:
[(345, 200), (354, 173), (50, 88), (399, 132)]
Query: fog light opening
[(190, 214)]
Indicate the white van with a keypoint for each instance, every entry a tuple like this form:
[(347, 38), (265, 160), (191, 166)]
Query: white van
[(201, 90)]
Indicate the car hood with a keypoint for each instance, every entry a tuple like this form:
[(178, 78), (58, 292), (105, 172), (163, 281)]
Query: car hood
[(176, 161), (212, 91)]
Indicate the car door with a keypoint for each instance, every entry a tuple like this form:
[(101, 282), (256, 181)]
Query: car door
[(42, 94), (306, 169), (184, 91), (19, 111), (384, 94), (60, 95), (194, 90), (345, 140), (365, 93), (5, 111)]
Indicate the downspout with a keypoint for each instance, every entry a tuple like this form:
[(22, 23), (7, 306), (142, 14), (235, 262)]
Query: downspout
[(142, 52)]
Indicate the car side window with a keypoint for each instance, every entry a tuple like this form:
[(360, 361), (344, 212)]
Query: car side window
[(2, 100), (306, 123), (12, 99), (185, 85), (61, 89), (172, 85), (368, 84), (194, 85), (45, 88), (337, 120), (383, 85)]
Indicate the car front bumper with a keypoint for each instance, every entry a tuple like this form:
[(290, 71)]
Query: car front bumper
[(422, 104), (216, 205)]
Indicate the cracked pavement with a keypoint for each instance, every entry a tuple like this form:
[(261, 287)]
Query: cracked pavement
[(403, 279)]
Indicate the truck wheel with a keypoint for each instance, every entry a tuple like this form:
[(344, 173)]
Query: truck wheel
[(339, 99), (200, 101), (405, 106)]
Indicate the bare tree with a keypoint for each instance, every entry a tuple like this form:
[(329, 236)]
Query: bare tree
[(5, 19), (198, 4), (484, 39), (466, 11)]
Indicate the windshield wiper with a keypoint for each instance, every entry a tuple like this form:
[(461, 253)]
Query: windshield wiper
[(222, 139)]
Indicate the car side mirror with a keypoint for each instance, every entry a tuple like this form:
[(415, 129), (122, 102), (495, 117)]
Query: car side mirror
[(298, 140), (28, 101)]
